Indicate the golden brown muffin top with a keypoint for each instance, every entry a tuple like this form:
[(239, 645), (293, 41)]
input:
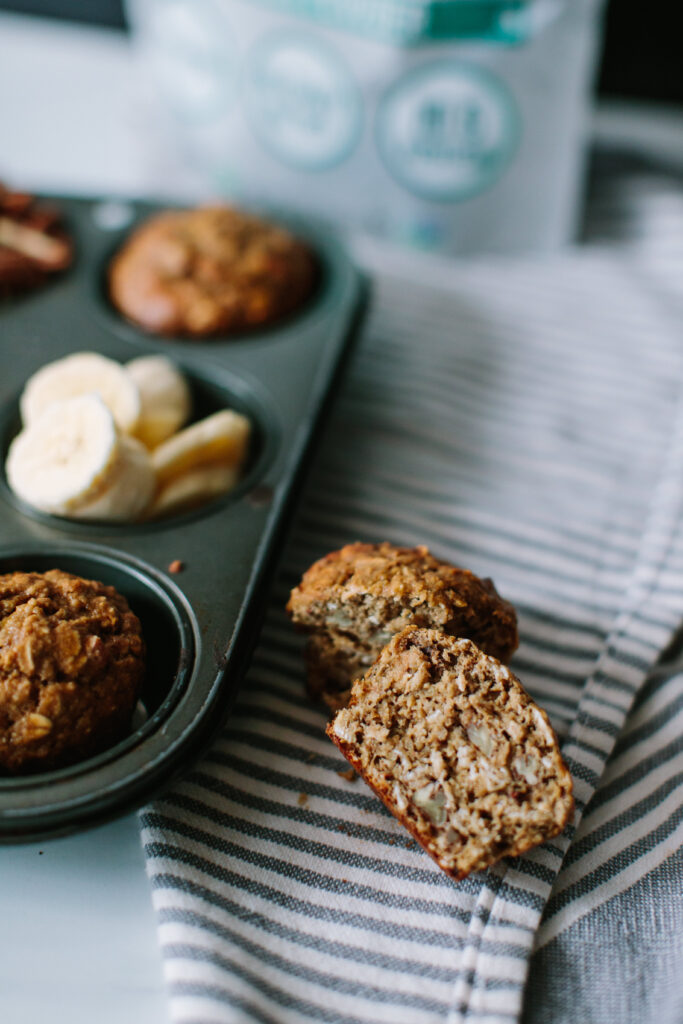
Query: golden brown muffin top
[(381, 588), (71, 666), (208, 271)]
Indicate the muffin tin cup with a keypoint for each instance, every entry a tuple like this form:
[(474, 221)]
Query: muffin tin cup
[(314, 308), (212, 389), (173, 645), (200, 624)]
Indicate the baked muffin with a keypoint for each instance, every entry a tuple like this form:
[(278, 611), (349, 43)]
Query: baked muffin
[(354, 600), (457, 750), (212, 270), (72, 661), (33, 244)]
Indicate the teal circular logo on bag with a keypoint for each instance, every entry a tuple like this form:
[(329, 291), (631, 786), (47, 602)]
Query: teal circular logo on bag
[(303, 102), (447, 130)]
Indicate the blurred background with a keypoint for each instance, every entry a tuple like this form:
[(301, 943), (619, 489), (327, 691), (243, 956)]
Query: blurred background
[(641, 57), (454, 126)]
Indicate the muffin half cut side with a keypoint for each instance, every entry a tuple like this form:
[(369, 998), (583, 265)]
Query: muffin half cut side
[(453, 745)]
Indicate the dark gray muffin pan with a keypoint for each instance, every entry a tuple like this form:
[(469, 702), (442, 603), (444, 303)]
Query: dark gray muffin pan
[(200, 625)]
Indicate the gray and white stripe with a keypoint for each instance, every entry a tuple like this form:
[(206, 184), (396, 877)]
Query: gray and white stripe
[(523, 422)]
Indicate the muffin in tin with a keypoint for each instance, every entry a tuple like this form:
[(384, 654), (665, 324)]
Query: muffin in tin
[(72, 664), (210, 271)]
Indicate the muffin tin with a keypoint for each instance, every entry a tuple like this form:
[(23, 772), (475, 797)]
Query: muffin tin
[(200, 624)]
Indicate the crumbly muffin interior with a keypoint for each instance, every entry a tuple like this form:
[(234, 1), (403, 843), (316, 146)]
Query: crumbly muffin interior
[(354, 600), (373, 618), (332, 662), (456, 749)]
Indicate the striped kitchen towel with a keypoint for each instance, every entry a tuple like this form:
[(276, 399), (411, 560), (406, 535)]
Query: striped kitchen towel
[(525, 420)]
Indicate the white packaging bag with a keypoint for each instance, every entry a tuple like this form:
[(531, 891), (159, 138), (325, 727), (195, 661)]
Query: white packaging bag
[(453, 125)]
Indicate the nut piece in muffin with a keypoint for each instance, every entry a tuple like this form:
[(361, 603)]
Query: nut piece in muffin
[(72, 662), (457, 750), (33, 244), (354, 600), (212, 270)]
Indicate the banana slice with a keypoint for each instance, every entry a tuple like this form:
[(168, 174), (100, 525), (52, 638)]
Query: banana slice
[(164, 396), (80, 374), (128, 488), (64, 457), (72, 462), (192, 488), (221, 439)]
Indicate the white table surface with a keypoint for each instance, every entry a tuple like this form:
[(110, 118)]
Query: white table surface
[(79, 941)]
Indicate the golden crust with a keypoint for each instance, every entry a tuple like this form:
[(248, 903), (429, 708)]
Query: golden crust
[(212, 270), (352, 601), (453, 745), (72, 662)]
